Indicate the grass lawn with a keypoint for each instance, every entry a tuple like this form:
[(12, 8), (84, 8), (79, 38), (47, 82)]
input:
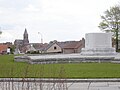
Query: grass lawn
[(9, 68)]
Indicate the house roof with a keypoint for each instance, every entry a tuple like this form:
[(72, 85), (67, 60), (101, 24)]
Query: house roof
[(39, 46), (70, 44), (50, 44), (30, 48), (67, 44), (18, 40), (63, 45), (3, 48)]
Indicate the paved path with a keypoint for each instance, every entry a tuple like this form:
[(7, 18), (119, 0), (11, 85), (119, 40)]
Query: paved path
[(73, 84), (95, 86), (60, 86)]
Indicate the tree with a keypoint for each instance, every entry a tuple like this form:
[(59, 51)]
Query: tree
[(12, 49), (0, 32), (111, 22)]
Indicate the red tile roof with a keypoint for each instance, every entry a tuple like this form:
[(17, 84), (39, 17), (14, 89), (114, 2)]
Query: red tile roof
[(3, 48)]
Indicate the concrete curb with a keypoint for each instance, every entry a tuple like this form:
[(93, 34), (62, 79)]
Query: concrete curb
[(51, 80)]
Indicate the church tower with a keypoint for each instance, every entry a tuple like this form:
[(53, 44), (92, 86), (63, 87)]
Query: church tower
[(25, 37)]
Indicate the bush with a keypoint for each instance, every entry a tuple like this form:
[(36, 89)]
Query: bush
[(33, 52)]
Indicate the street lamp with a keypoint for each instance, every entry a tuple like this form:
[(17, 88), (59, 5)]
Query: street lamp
[(41, 37)]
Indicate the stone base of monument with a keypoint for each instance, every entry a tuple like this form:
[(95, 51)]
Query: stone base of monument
[(98, 51), (23, 58), (67, 58)]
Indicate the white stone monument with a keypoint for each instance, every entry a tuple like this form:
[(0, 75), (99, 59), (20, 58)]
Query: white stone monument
[(98, 44)]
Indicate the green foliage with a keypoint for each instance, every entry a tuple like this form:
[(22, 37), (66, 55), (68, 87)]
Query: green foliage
[(0, 32), (9, 68), (33, 52), (111, 19), (12, 49), (111, 22)]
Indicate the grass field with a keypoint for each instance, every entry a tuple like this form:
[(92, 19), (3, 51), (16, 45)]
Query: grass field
[(9, 68)]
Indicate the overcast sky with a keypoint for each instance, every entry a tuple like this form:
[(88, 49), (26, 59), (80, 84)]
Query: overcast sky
[(61, 20)]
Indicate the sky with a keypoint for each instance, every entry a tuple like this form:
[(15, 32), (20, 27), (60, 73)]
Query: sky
[(61, 20)]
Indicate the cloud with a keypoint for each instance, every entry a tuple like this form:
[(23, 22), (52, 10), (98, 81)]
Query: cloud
[(6, 37), (55, 19), (31, 8), (7, 26), (17, 4)]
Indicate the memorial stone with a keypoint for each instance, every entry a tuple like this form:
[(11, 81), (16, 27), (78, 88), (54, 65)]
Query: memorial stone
[(98, 44)]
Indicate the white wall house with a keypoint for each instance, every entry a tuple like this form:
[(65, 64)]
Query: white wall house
[(53, 48)]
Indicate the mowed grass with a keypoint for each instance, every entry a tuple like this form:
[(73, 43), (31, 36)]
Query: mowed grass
[(9, 68)]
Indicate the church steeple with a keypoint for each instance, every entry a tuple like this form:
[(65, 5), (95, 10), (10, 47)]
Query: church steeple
[(25, 32), (25, 37)]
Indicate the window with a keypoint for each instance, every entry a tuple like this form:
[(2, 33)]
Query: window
[(55, 48)]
